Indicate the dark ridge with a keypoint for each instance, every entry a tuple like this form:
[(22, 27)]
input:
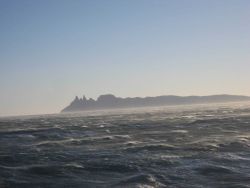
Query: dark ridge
[(110, 101)]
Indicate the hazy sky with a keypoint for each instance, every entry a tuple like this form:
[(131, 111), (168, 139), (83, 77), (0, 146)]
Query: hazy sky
[(51, 51)]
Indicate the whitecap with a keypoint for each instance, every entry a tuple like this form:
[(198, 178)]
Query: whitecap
[(179, 131)]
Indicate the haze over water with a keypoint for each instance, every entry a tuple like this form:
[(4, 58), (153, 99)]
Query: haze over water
[(184, 146)]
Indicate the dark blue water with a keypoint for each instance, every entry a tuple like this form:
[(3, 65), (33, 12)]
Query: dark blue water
[(199, 146)]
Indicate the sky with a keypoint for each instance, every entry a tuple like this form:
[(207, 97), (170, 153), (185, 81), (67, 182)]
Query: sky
[(51, 51)]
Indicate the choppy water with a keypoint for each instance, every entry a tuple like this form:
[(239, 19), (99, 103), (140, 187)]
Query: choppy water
[(199, 146)]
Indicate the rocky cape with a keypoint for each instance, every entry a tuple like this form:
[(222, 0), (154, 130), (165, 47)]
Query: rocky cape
[(110, 101)]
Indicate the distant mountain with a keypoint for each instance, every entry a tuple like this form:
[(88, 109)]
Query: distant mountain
[(110, 101)]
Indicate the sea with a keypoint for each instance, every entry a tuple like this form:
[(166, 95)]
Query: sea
[(196, 146)]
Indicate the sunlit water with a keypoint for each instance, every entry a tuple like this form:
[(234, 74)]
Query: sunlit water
[(186, 146)]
